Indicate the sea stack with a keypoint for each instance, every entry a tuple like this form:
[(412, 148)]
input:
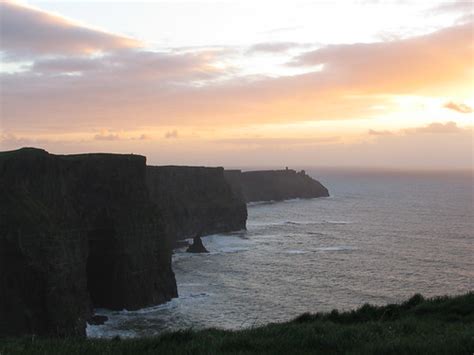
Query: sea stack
[(197, 246)]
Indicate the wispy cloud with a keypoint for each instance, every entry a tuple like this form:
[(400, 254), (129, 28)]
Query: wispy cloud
[(269, 141), (373, 132), (122, 136), (107, 137), (459, 107), (273, 47), (26, 32), (171, 134), (456, 6), (437, 128)]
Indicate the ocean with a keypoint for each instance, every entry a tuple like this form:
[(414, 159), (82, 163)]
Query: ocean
[(379, 238)]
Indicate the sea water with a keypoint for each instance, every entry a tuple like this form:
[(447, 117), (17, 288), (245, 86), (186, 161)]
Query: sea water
[(379, 238)]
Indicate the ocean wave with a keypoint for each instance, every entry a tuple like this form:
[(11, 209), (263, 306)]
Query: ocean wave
[(105, 332), (336, 248), (296, 251), (336, 222), (259, 203), (230, 250), (289, 200), (319, 234), (303, 223), (191, 284)]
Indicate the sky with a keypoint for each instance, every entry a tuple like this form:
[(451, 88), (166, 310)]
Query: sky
[(382, 84)]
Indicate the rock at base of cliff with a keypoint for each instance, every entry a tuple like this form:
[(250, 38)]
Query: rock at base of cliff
[(98, 320), (197, 246)]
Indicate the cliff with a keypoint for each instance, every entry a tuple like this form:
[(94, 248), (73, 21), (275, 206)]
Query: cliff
[(274, 185), (96, 230), (195, 200), (75, 232)]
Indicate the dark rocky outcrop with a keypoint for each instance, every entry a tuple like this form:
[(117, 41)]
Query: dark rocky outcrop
[(77, 231), (197, 246), (97, 320), (274, 185), (195, 200)]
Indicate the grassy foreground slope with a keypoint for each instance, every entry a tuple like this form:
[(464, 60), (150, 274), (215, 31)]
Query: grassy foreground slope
[(442, 325)]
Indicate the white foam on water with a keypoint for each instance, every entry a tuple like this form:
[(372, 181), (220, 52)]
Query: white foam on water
[(260, 203), (337, 248), (109, 329), (296, 252), (218, 244), (337, 222)]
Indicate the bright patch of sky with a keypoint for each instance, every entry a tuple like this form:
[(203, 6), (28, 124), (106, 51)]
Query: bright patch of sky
[(224, 23)]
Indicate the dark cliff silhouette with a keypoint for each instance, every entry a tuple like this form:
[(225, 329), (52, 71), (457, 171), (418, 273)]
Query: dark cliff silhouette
[(195, 200), (74, 231), (274, 185), (97, 230)]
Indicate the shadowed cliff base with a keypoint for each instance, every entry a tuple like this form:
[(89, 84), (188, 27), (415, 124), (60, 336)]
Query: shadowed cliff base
[(443, 325)]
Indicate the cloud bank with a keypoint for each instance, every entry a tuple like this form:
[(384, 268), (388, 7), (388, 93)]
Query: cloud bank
[(67, 88)]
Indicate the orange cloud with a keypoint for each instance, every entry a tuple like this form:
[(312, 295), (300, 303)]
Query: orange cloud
[(399, 66), (438, 128), (373, 132), (432, 128), (262, 141), (106, 137), (462, 108)]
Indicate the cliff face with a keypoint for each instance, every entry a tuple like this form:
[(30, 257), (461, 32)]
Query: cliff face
[(96, 230), (77, 231), (195, 200), (274, 185)]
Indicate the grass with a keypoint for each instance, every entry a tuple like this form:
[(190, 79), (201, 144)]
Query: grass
[(442, 325)]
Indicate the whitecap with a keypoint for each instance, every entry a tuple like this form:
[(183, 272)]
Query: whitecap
[(336, 222), (336, 248), (296, 251)]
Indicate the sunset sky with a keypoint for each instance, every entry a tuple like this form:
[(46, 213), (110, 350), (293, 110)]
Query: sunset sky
[(244, 83)]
